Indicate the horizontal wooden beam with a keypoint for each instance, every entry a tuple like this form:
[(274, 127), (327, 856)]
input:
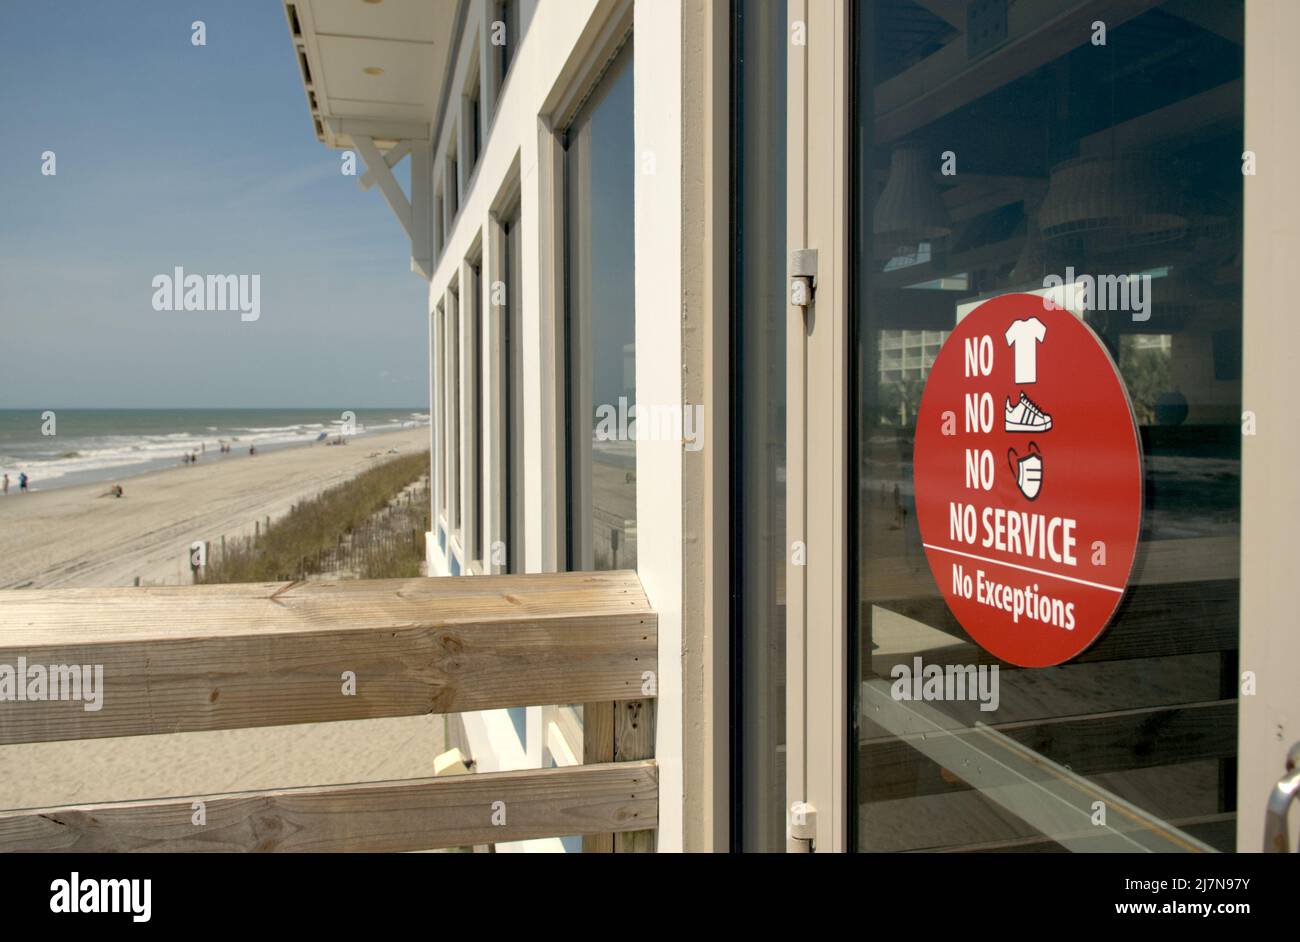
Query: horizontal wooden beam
[(951, 11), (1155, 621), (1038, 31), (1196, 559), (179, 659), (414, 814), (1217, 830), (1087, 744), (1181, 120), (1215, 16)]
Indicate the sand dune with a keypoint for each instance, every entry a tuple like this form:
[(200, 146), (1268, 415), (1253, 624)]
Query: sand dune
[(74, 537)]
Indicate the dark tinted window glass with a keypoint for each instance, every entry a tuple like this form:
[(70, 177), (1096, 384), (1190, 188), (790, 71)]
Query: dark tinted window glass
[(512, 373), (1070, 157), (758, 423)]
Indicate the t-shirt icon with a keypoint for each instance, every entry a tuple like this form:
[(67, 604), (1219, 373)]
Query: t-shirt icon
[(1025, 336)]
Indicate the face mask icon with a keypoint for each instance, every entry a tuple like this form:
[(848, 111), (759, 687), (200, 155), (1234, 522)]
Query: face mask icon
[(1028, 470)]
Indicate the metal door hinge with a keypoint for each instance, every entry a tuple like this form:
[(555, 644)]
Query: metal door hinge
[(801, 827), (803, 276)]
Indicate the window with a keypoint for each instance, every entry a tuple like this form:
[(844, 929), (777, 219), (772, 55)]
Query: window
[(475, 391), (439, 407), (473, 125), (600, 336), (453, 414), (453, 186), (508, 17), (437, 223), (512, 420)]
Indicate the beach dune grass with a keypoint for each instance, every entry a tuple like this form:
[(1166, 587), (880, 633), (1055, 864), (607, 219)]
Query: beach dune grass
[(384, 541)]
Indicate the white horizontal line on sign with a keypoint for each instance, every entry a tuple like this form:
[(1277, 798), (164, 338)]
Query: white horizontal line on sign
[(1037, 572)]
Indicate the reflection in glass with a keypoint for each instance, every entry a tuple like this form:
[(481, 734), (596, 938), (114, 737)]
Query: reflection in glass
[(1114, 160), (600, 325), (453, 410)]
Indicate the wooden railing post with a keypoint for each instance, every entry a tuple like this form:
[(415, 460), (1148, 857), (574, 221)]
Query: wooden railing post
[(598, 747), (634, 738), (618, 731)]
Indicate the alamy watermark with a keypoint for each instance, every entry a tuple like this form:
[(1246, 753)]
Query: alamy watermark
[(78, 895), (23, 681), (657, 423), (946, 683), (181, 292), (1130, 293)]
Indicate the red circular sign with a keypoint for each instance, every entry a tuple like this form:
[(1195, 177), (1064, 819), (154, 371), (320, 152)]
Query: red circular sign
[(1028, 479)]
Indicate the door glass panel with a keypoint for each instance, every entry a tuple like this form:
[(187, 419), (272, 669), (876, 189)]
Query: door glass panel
[(1075, 151), (758, 424)]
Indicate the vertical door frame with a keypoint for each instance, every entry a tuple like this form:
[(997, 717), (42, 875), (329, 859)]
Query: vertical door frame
[(1268, 720), (818, 390), (706, 328)]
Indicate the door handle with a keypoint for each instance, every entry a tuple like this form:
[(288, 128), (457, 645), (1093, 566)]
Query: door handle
[(1277, 839)]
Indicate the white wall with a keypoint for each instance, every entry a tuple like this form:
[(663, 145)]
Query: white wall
[(516, 134), (1269, 721), (657, 76)]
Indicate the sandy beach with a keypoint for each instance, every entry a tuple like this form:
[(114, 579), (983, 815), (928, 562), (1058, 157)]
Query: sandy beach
[(75, 537)]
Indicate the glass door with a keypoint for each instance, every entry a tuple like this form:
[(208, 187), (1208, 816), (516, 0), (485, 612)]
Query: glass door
[(1057, 150), (944, 157)]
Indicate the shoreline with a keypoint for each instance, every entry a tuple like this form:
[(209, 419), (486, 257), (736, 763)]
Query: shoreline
[(78, 536), (132, 452)]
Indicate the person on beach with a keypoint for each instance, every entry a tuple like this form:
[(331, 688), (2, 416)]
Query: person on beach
[(252, 449), (22, 482), (6, 485)]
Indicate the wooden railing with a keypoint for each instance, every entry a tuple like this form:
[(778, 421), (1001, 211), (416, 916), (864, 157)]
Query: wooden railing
[(181, 659)]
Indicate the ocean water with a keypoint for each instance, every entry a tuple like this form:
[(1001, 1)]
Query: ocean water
[(111, 444)]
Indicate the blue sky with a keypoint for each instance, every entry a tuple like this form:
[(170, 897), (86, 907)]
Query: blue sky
[(203, 157)]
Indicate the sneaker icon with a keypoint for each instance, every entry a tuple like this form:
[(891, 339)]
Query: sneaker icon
[(1025, 416)]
